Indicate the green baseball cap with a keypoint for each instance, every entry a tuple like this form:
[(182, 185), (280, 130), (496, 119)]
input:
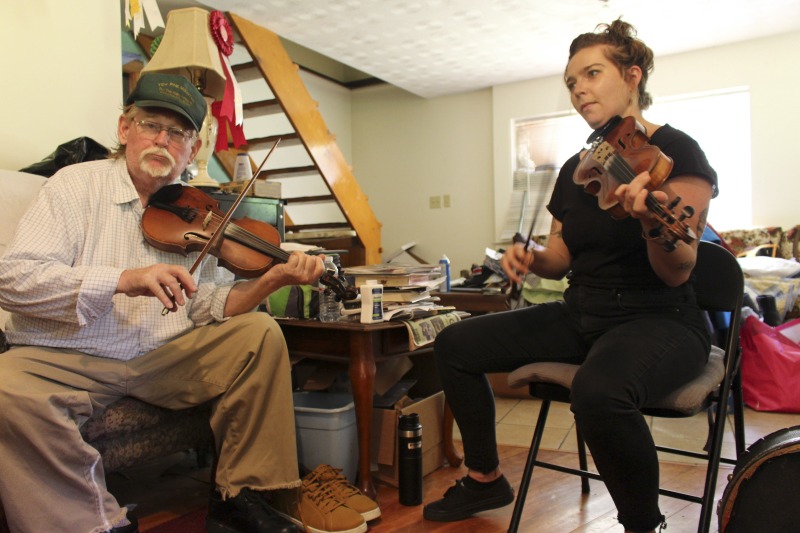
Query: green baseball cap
[(172, 92)]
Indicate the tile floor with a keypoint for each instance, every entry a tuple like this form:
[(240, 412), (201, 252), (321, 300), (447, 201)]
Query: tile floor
[(517, 417)]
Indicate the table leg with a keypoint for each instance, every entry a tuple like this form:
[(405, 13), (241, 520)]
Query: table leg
[(454, 458), (362, 379)]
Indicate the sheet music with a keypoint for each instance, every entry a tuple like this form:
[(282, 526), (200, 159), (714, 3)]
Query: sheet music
[(528, 188)]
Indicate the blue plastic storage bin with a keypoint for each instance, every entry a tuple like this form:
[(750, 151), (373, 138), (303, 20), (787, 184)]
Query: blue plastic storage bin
[(326, 431)]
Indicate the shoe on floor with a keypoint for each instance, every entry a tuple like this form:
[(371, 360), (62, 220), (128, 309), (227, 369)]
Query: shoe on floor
[(315, 507), (460, 501), (248, 512), (347, 493)]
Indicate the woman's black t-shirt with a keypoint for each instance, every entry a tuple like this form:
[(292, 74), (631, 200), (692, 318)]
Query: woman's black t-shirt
[(612, 253)]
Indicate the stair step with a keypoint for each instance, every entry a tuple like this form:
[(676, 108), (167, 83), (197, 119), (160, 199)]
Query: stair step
[(310, 199), (248, 71), (287, 172), (287, 139), (262, 108), (326, 225)]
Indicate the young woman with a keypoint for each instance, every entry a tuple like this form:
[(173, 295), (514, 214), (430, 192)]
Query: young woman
[(629, 315)]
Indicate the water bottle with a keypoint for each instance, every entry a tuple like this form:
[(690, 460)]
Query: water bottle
[(444, 264), (242, 171), (329, 308), (409, 454)]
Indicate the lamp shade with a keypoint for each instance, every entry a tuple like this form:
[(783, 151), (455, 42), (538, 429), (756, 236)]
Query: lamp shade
[(187, 49)]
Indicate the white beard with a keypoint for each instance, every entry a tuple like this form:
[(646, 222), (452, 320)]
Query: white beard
[(156, 170)]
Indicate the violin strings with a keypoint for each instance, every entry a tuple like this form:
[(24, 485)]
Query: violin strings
[(257, 243), (254, 241), (623, 172)]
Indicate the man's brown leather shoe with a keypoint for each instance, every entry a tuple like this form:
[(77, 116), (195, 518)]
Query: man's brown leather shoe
[(248, 512)]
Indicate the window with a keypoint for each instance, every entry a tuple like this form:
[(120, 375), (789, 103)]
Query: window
[(719, 121)]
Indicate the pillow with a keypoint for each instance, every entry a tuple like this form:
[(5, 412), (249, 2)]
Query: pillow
[(18, 191), (770, 267)]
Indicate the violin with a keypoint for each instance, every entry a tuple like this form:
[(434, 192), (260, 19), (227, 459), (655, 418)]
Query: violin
[(183, 219), (621, 150)]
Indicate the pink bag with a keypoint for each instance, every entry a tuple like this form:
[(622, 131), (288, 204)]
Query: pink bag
[(770, 366)]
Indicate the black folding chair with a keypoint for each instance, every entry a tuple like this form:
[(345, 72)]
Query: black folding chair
[(720, 288)]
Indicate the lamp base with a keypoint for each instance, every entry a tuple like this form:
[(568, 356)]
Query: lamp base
[(204, 181), (208, 137)]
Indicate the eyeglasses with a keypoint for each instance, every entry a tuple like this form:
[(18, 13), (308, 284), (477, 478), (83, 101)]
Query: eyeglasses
[(177, 136)]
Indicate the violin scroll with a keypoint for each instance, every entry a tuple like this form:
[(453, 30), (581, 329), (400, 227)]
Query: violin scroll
[(340, 289)]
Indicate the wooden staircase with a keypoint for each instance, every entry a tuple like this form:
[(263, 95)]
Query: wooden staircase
[(324, 204)]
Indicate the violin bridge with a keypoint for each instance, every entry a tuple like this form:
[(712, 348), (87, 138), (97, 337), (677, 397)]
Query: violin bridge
[(603, 154), (207, 220)]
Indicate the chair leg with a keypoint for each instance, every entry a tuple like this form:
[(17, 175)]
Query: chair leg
[(528, 472), (738, 414), (715, 452), (584, 464)]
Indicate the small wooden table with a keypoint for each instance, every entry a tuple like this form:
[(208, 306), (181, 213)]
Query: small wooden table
[(361, 345)]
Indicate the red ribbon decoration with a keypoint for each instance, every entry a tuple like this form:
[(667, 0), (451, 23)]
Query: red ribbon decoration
[(221, 32), (225, 111), (225, 125)]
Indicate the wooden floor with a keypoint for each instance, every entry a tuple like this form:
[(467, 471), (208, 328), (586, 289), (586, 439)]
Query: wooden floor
[(174, 487), (554, 505)]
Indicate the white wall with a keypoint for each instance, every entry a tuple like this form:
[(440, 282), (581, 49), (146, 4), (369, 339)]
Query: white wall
[(61, 76), (406, 149)]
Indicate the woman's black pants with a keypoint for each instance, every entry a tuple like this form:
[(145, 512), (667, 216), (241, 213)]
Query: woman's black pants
[(634, 347)]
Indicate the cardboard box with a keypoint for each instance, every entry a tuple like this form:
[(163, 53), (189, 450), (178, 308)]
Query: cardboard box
[(384, 436)]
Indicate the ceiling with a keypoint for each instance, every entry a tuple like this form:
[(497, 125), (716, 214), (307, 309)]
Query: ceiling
[(437, 47)]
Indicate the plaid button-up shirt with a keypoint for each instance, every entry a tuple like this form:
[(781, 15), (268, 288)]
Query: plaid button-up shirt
[(59, 274)]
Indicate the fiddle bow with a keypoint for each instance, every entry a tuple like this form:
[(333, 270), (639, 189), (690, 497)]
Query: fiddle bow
[(515, 293), (620, 150)]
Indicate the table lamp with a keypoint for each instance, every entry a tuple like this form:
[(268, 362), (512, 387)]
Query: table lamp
[(187, 49)]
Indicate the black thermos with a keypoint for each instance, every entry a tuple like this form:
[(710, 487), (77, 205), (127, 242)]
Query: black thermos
[(409, 446)]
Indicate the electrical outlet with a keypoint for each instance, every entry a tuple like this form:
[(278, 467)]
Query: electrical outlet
[(445, 200), (435, 202)]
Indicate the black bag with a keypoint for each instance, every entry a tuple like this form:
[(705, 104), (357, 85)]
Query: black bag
[(762, 494), (75, 151)]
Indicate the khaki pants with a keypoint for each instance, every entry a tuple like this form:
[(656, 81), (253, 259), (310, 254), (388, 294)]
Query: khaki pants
[(51, 480)]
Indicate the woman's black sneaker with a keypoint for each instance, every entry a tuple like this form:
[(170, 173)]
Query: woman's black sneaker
[(468, 497)]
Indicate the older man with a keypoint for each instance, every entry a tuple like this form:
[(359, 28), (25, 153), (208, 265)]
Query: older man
[(86, 294)]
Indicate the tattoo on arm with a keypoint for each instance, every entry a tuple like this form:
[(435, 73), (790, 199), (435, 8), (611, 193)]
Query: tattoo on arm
[(702, 220)]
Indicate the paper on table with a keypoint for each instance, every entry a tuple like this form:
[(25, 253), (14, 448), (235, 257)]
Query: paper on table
[(423, 331), (298, 247)]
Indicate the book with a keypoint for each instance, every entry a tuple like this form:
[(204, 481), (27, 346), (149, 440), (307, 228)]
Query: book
[(399, 281), (405, 295), (386, 269), (409, 312), (395, 275)]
